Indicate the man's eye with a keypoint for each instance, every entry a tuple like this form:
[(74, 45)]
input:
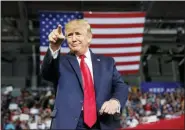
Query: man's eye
[(70, 34), (77, 33)]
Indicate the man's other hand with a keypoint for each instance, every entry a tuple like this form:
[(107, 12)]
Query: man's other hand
[(110, 107)]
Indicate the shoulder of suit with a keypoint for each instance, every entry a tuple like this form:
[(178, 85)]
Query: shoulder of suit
[(106, 58), (63, 56)]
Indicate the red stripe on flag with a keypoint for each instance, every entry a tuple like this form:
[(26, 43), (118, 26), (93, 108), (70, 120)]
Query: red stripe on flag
[(115, 45), (123, 54), (117, 35), (117, 25), (128, 63), (42, 53), (113, 15), (127, 72)]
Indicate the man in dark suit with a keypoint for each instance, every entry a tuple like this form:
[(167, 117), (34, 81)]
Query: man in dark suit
[(90, 91)]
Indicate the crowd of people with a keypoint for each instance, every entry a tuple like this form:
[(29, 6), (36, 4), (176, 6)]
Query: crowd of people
[(32, 109), (29, 110), (150, 107)]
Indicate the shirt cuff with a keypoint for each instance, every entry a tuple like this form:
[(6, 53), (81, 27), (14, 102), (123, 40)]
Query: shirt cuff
[(54, 53)]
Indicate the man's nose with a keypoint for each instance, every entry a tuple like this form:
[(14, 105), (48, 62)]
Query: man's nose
[(74, 38)]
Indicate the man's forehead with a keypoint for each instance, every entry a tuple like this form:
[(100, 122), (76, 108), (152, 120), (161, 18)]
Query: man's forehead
[(75, 28)]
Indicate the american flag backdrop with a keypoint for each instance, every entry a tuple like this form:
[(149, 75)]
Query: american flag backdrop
[(115, 34)]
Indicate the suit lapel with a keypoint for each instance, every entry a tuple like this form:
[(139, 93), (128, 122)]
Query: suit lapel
[(74, 63), (96, 71)]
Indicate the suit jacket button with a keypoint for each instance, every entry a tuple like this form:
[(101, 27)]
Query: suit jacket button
[(76, 119), (81, 101)]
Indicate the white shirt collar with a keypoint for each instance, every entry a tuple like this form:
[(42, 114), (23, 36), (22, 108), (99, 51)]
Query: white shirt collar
[(87, 54)]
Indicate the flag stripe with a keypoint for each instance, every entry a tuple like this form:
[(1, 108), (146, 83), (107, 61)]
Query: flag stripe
[(117, 30), (127, 58), (136, 25), (109, 50), (123, 54), (128, 72), (127, 63), (113, 15), (114, 45), (127, 67), (115, 20), (116, 40), (124, 51), (117, 35)]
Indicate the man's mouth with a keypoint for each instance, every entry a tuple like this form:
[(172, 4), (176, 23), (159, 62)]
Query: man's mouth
[(74, 45)]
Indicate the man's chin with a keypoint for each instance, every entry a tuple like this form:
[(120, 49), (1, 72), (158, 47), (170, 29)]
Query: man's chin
[(74, 50)]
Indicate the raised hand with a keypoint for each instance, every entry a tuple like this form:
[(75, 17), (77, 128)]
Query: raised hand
[(56, 38)]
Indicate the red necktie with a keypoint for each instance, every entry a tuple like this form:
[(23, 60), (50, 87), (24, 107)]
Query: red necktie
[(89, 105)]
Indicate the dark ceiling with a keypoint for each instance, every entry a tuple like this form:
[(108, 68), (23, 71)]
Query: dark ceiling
[(164, 16), (154, 9)]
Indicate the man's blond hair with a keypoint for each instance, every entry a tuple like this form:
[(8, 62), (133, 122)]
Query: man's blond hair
[(80, 22)]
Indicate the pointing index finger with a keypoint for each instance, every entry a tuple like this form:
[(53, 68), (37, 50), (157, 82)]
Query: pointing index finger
[(59, 29)]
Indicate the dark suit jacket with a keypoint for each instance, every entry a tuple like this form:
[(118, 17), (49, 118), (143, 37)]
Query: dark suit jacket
[(65, 72)]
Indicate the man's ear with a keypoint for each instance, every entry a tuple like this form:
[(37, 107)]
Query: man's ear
[(89, 35)]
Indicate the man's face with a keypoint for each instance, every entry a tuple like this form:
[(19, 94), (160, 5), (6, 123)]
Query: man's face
[(78, 39)]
